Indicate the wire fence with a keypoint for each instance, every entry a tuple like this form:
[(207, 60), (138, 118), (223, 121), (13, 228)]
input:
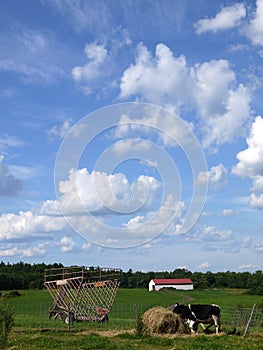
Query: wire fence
[(234, 320)]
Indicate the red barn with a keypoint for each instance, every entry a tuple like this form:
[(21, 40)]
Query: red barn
[(176, 283)]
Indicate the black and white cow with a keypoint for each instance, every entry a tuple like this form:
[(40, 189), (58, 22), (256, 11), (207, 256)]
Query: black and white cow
[(194, 314)]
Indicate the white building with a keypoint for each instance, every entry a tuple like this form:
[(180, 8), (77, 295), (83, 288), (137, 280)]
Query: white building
[(176, 283)]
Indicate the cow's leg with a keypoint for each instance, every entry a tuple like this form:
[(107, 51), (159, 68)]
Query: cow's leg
[(203, 326), (192, 325), (216, 322)]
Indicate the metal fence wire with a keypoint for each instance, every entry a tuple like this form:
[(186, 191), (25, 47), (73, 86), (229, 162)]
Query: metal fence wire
[(233, 320)]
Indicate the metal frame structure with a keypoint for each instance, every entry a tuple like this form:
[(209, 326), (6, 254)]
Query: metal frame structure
[(82, 293)]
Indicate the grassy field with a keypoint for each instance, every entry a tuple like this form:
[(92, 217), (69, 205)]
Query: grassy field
[(33, 329), (222, 297), (31, 308)]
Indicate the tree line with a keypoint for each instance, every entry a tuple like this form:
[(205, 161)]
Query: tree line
[(253, 282), (31, 276)]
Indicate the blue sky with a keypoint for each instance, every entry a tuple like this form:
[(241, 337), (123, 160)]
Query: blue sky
[(131, 133)]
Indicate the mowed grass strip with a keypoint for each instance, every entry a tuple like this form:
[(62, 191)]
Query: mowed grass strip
[(124, 341)]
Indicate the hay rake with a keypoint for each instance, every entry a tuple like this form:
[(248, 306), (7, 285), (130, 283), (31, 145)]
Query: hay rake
[(82, 293)]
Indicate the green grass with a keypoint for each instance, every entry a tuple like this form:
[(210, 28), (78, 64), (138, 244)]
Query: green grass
[(84, 341), (222, 297), (34, 331), (31, 308)]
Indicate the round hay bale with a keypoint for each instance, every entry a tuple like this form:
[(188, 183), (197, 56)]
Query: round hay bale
[(162, 321)]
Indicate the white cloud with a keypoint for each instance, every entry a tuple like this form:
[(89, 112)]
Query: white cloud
[(98, 192), (246, 242), (27, 252), (250, 160), (216, 176), (90, 72), (22, 172), (148, 223), (67, 244), (257, 183), (229, 17), (50, 208), (163, 78), (168, 129), (254, 30), (247, 266), (137, 144), (29, 226), (59, 131), (7, 141), (203, 265), (250, 163), (212, 234), (256, 201), (219, 103), (258, 248), (168, 80), (230, 212)]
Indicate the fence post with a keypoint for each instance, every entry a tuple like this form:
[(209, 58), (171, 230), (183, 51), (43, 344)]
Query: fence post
[(69, 317), (250, 320), (139, 325)]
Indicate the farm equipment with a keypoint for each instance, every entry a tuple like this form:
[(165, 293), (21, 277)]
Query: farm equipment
[(82, 293)]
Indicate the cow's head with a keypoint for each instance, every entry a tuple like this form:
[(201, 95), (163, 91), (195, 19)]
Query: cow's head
[(178, 309)]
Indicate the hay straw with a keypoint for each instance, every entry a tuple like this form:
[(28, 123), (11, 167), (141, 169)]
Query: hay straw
[(162, 321)]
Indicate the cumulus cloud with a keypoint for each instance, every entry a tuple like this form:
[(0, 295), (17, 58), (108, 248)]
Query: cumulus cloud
[(23, 252), (256, 201), (137, 144), (257, 183), (233, 108), (250, 163), (250, 160), (101, 62), (212, 234), (79, 196), (216, 176), (168, 130), (228, 18), (9, 185), (28, 225), (90, 201), (168, 80), (67, 244), (163, 78), (254, 30), (96, 54), (98, 192)]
